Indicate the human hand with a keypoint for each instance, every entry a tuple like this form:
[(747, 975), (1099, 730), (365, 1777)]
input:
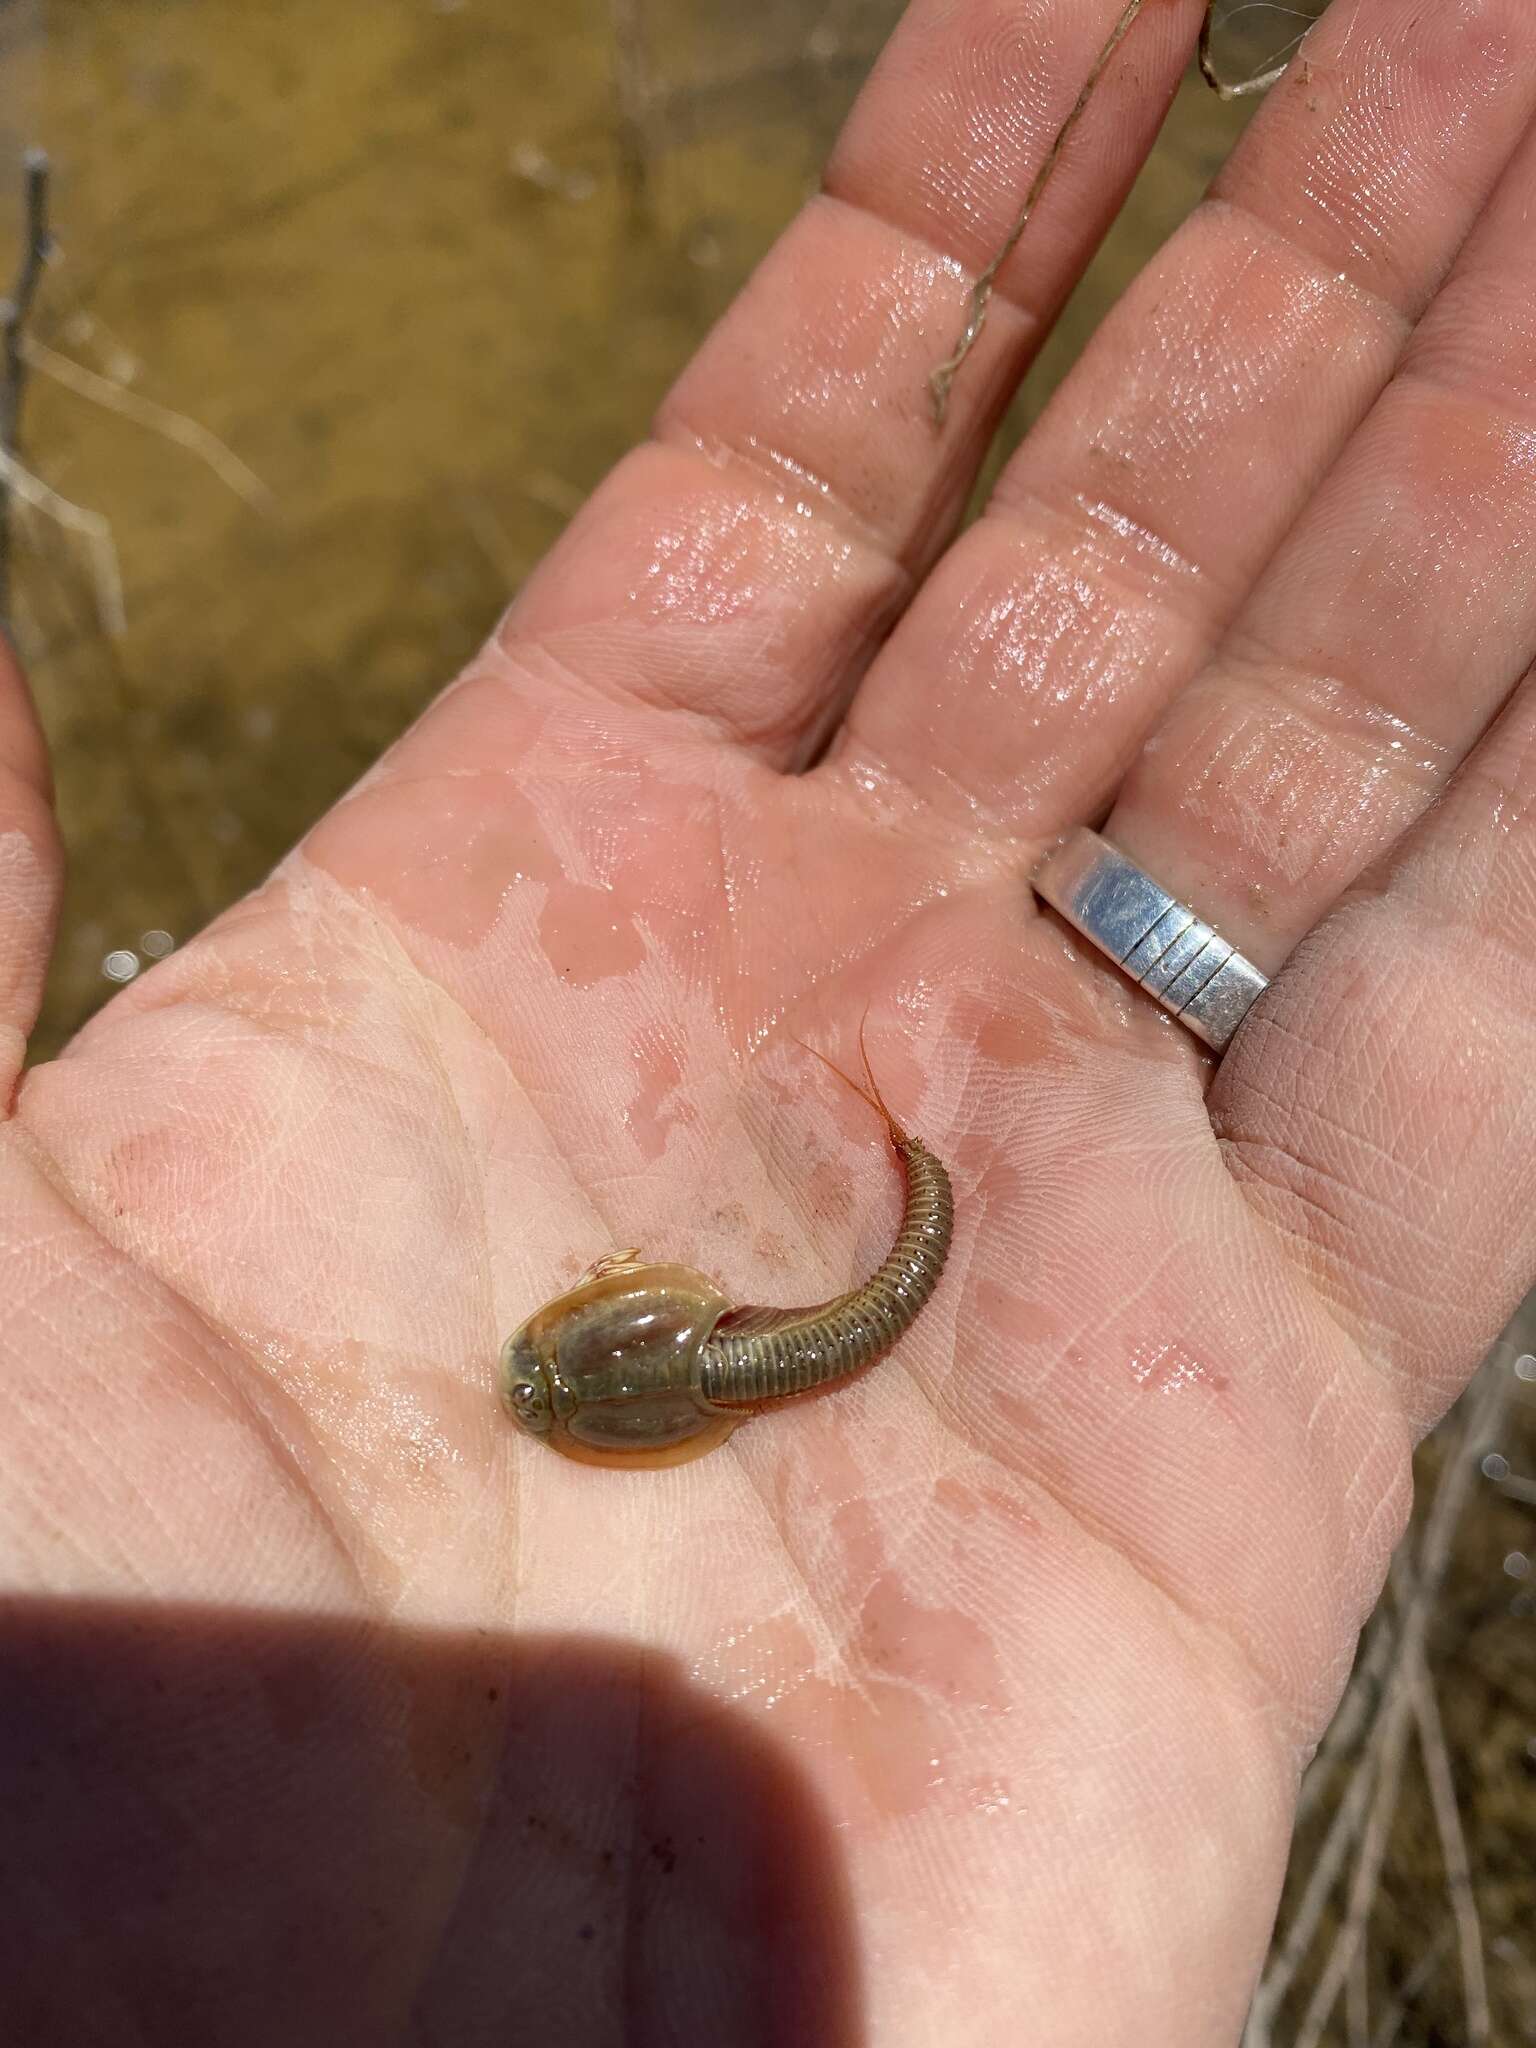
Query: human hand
[(965, 1706)]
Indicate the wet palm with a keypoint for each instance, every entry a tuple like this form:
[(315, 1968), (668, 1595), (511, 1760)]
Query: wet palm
[(1041, 1614)]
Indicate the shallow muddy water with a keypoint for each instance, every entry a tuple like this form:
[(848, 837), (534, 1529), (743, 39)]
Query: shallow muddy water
[(424, 268)]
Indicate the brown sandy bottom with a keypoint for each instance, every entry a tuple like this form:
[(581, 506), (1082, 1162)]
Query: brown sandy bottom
[(415, 272)]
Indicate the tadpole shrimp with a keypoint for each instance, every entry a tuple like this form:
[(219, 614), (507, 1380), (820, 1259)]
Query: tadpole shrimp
[(647, 1365)]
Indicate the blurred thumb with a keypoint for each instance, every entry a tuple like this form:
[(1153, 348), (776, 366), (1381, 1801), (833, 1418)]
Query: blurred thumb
[(31, 869)]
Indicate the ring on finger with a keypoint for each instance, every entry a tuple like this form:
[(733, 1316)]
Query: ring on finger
[(1164, 946)]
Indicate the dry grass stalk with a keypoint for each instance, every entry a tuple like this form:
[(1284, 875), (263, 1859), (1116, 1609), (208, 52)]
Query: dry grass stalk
[(15, 310), (635, 93), (1357, 2000), (1396, 2013), (1353, 1716), (1238, 88), (1327, 1866), (941, 379), (160, 419), (1390, 1742), (94, 530), (1403, 1706), (1458, 1865)]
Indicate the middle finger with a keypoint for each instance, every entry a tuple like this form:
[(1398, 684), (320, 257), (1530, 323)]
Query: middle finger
[(1128, 529)]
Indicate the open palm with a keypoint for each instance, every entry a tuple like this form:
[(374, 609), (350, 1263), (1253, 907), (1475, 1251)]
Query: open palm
[(966, 1705)]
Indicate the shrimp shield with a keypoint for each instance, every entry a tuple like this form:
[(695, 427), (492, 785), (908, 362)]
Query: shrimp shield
[(611, 1374)]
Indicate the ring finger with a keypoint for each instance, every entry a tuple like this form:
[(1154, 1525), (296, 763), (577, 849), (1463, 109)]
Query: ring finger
[(1384, 638)]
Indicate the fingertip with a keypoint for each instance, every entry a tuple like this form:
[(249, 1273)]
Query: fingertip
[(23, 748), (31, 866)]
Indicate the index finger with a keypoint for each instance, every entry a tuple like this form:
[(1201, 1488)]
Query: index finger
[(744, 562)]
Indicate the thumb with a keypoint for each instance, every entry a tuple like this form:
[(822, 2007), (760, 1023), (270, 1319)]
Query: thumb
[(31, 869)]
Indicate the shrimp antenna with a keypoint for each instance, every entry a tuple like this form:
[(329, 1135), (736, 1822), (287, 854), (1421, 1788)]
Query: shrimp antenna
[(871, 1094)]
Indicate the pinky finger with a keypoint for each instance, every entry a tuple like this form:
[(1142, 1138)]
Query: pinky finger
[(31, 870), (1379, 1107)]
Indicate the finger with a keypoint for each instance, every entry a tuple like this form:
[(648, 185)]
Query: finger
[(743, 563), (1380, 1104), (1130, 526), (31, 869), (1390, 629)]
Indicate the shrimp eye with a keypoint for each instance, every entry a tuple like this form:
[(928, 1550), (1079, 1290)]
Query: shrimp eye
[(529, 1402)]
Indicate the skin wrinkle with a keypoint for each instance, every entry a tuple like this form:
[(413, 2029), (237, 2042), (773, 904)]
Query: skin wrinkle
[(1396, 1165), (785, 482), (1131, 573), (23, 1490), (1329, 1272), (1367, 1335), (1317, 1048), (936, 260), (854, 758), (793, 1190), (473, 1168), (1305, 1181), (1506, 419), (1102, 516), (240, 1342), (1042, 77), (788, 1182), (514, 649), (1444, 922), (1391, 1511), (116, 1546), (115, 1551), (224, 1343), (624, 697), (1310, 1170), (362, 1559), (1314, 272), (802, 1574), (1024, 644), (1267, 1702), (946, 262), (1311, 697), (730, 969), (1390, 68)]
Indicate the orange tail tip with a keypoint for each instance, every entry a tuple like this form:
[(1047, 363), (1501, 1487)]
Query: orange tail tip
[(871, 1094)]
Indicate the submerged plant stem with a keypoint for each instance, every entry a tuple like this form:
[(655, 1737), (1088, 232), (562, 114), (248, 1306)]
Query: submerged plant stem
[(942, 379), (37, 243)]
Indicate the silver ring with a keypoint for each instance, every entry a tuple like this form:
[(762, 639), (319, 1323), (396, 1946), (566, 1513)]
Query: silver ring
[(1158, 941)]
